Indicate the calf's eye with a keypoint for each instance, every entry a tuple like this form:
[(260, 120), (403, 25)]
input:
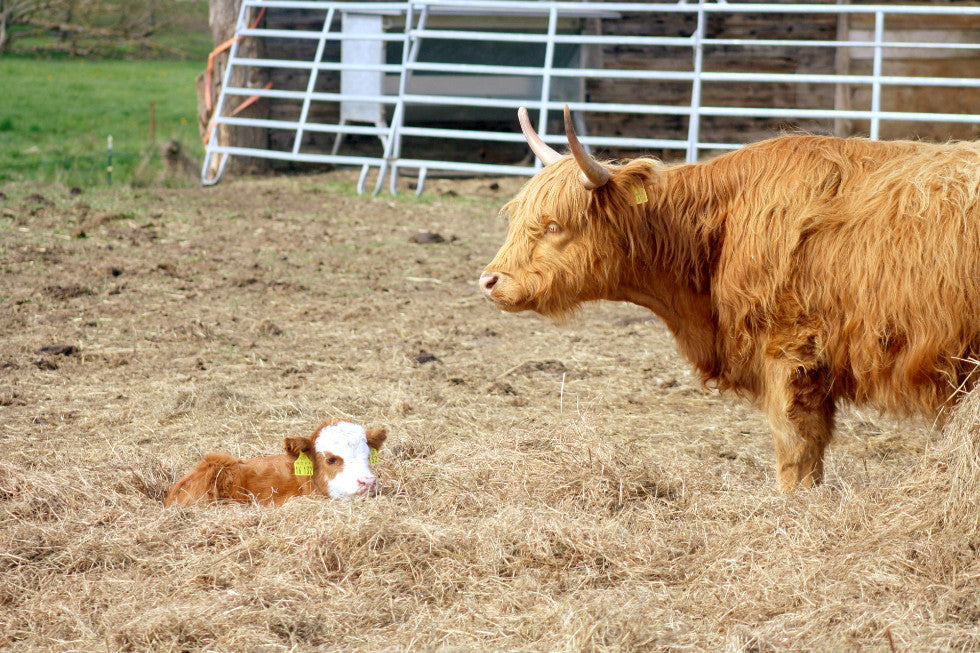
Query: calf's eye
[(554, 228), (332, 460)]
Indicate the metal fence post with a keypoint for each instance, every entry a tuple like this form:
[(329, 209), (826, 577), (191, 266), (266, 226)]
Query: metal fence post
[(410, 53), (311, 84), (876, 74), (549, 60), (694, 121)]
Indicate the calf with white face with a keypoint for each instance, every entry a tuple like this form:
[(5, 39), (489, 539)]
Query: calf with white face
[(333, 462), (347, 449)]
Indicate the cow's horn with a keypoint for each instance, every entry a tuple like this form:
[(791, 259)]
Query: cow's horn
[(538, 146), (594, 174)]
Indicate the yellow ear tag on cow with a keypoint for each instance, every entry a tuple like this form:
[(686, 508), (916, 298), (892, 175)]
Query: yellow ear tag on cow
[(373, 458), (640, 195), (303, 465)]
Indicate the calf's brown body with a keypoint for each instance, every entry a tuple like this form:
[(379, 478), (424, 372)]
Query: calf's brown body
[(268, 480)]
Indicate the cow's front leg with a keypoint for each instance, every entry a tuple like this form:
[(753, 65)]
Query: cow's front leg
[(801, 415)]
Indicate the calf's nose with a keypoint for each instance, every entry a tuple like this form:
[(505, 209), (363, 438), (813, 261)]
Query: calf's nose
[(487, 283), (367, 485)]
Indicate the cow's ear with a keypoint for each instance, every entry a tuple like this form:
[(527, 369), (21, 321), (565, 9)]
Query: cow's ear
[(295, 445), (376, 437)]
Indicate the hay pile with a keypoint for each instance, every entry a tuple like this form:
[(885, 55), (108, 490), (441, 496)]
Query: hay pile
[(543, 487), (567, 540)]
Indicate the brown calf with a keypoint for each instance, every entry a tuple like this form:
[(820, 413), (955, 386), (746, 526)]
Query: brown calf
[(333, 462)]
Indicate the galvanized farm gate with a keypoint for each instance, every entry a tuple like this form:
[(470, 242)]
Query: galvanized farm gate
[(377, 94)]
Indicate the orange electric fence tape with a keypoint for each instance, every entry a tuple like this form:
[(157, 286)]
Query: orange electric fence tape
[(209, 73)]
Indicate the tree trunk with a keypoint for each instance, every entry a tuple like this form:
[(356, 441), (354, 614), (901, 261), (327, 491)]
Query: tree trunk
[(223, 19)]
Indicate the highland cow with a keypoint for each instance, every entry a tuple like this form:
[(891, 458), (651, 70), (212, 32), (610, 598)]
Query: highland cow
[(333, 462), (803, 271)]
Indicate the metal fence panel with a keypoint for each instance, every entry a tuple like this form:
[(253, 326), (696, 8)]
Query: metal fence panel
[(437, 76)]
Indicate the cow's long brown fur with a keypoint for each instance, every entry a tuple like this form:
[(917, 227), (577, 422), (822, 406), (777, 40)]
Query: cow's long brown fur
[(801, 271)]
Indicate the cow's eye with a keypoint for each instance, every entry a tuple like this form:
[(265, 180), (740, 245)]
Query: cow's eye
[(332, 460), (553, 228)]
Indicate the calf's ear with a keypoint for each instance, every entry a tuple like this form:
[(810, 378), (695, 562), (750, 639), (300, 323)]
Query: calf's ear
[(295, 445), (376, 437)]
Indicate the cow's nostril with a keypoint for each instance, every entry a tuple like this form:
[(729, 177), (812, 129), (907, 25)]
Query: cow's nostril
[(488, 281)]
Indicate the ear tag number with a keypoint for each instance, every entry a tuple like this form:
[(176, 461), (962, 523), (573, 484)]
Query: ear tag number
[(640, 195), (373, 458), (303, 465)]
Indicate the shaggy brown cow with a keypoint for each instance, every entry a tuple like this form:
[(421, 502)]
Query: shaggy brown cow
[(333, 462), (801, 271)]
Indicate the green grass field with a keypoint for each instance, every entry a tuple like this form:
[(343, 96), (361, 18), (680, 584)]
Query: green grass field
[(56, 116)]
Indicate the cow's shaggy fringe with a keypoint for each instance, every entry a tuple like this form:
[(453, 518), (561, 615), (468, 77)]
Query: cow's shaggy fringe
[(528, 542)]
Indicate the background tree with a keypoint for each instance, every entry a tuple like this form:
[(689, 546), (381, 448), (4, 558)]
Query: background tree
[(85, 26), (14, 12)]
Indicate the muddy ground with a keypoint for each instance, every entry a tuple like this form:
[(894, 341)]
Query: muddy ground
[(141, 329), (295, 292)]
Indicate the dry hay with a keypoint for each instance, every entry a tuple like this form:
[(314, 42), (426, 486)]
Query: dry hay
[(538, 541), (542, 488)]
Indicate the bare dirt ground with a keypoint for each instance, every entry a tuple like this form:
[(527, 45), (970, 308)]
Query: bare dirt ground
[(544, 487)]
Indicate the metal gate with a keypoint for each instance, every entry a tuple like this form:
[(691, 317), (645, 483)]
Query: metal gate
[(435, 75)]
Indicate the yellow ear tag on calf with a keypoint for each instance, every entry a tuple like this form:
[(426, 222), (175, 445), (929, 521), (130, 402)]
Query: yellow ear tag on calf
[(303, 465), (640, 195), (373, 458)]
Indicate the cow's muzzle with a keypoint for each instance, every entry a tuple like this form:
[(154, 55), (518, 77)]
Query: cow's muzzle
[(488, 281), (502, 291), (494, 286)]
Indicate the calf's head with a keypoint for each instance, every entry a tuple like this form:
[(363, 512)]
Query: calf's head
[(568, 230), (341, 452)]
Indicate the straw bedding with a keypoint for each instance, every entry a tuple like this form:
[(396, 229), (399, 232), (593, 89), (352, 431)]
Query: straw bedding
[(543, 487)]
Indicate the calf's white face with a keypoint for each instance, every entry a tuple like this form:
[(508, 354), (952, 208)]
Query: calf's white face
[(348, 443)]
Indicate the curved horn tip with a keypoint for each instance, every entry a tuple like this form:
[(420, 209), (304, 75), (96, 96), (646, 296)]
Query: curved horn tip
[(594, 174), (569, 123), (538, 146)]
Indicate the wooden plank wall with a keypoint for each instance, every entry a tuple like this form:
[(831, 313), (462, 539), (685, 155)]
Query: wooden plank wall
[(908, 62)]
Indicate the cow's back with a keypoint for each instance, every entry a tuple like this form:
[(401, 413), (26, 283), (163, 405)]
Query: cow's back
[(858, 257)]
